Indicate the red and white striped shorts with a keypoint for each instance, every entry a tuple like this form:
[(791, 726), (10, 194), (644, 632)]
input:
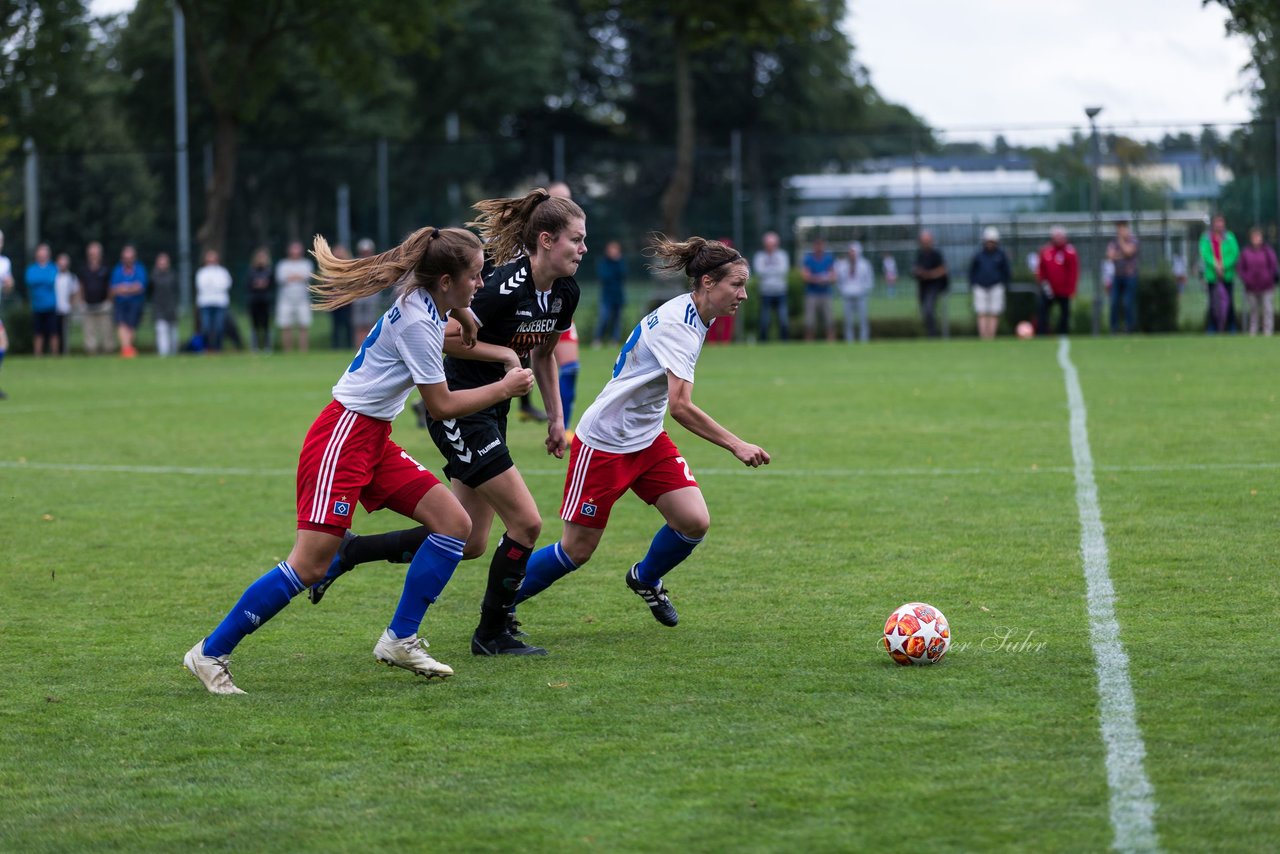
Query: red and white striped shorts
[(349, 457)]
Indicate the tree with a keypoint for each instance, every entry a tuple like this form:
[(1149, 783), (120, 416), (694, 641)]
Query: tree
[(243, 51)]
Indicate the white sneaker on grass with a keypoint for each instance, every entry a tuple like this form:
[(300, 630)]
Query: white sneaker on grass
[(410, 654), (211, 670)]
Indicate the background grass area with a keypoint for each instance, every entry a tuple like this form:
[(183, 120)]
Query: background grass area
[(770, 719)]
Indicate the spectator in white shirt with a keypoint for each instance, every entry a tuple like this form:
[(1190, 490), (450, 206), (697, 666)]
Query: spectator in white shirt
[(213, 299), (855, 279), (66, 291), (293, 298), (770, 267)]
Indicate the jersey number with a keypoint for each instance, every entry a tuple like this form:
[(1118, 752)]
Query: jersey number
[(688, 475), (369, 341), (421, 467), (626, 348), (372, 337)]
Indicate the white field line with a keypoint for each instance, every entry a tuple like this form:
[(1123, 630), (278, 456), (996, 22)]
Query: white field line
[(1132, 797), (771, 471)]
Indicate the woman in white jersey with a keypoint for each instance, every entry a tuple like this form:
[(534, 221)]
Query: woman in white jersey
[(348, 455), (620, 443)]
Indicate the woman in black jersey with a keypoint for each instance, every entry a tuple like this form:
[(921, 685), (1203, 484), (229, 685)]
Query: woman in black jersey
[(523, 307)]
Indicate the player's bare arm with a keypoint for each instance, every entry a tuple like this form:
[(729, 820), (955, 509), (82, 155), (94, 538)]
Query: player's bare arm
[(689, 416), (480, 350), (444, 404), (547, 373)]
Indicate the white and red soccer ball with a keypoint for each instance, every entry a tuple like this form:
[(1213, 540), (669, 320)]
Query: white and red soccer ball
[(916, 634)]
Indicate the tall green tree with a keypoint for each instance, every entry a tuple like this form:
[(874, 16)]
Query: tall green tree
[(243, 52)]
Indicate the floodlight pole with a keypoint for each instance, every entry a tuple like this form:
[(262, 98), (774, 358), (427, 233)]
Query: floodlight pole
[(1092, 113), (182, 176)]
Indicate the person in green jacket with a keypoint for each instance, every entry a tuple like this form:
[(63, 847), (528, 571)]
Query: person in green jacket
[(1219, 253)]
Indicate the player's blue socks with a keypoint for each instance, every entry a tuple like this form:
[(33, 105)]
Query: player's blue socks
[(429, 571), (668, 549), (547, 565), (568, 391), (263, 599)]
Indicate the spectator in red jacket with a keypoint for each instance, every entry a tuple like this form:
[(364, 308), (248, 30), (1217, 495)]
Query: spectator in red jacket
[(1259, 270), (1059, 273)]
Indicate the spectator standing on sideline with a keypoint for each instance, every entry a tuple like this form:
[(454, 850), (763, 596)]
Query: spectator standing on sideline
[(42, 292), (66, 290), (293, 300), (989, 276), (213, 299), (1033, 262), (6, 286), (129, 289), (930, 272), (855, 279), (164, 304), (261, 285), (1179, 267), (1123, 253), (340, 317), (771, 267), (1220, 252), (366, 310), (1059, 272), (95, 288), (1259, 271), (890, 266), (819, 275), (612, 270)]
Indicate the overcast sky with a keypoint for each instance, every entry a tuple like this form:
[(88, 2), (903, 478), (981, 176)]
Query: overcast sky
[(1000, 63), (974, 65)]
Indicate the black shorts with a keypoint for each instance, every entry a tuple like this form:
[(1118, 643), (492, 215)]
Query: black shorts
[(474, 447), (44, 323)]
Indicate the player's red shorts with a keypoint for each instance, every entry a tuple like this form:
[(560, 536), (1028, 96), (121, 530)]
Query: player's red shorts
[(597, 479), (349, 457)]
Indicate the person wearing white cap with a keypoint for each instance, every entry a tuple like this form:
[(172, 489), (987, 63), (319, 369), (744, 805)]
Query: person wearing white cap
[(989, 275), (855, 279)]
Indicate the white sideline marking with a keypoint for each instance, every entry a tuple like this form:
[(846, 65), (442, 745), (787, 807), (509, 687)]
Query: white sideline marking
[(1132, 797), (234, 471)]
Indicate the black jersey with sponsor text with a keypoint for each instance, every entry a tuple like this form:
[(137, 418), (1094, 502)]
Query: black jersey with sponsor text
[(513, 314)]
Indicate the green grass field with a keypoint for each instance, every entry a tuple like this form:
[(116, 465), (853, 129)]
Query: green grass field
[(769, 720)]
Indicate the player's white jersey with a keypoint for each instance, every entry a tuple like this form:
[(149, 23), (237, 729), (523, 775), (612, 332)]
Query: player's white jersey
[(404, 349), (627, 416)]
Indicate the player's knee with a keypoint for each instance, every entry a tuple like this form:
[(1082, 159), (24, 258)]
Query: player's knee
[(457, 525), (694, 527), (477, 545), (526, 530), (579, 553)]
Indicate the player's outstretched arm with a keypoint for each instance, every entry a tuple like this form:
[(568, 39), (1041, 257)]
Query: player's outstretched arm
[(699, 423), (444, 404)]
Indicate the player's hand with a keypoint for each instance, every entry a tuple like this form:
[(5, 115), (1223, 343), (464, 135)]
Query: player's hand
[(752, 455), (517, 382), (556, 443), (467, 326)]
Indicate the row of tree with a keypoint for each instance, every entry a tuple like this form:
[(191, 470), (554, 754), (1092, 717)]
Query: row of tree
[(288, 99)]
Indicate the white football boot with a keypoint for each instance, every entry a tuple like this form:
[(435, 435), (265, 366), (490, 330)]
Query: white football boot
[(409, 653), (210, 670)]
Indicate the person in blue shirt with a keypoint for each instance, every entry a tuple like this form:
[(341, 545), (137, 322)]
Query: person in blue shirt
[(128, 289), (819, 269), (41, 290), (613, 277)]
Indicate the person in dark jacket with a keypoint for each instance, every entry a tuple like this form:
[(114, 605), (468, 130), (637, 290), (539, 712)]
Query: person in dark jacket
[(989, 275), (1259, 271)]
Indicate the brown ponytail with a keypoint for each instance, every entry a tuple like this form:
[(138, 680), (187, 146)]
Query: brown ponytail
[(511, 226), (428, 254), (695, 257)]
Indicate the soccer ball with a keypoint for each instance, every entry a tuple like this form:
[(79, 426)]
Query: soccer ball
[(916, 633), (1025, 330)]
